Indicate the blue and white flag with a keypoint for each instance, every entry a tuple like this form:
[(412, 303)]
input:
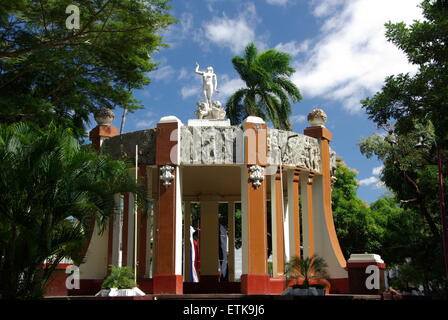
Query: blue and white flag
[(193, 272)]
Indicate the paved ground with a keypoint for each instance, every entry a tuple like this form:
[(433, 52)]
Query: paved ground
[(224, 297)]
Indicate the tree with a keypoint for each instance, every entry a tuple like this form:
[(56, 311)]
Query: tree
[(408, 171), (412, 238), (51, 73), (269, 91), (52, 191), (408, 100), (355, 224)]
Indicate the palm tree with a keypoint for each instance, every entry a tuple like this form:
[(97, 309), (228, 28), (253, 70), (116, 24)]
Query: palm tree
[(52, 190), (268, 88), (309, 268)]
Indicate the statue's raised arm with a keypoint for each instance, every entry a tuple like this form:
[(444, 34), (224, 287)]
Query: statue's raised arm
[(197, 69)]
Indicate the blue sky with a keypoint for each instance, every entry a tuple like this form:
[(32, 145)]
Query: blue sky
[(338, 48)]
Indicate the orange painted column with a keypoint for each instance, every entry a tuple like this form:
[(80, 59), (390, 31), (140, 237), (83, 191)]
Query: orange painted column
[(307, 214), (254, 278), (167, 274), (278, 243), (325, 239), (295, 249)]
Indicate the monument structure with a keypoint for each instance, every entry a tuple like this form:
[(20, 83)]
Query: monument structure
[(210, 162)]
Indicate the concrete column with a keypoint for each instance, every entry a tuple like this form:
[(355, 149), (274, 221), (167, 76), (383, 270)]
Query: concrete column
[(187, 246), (292, 181), (116, 235), (130, 232), (125, 230), (231, 233), (168, 237), (101, 133), (254, 278), (326, 241), (209, 241), (277, 231), (306, 193)]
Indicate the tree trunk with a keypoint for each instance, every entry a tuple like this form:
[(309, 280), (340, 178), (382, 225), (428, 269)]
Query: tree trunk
[(123, 120)]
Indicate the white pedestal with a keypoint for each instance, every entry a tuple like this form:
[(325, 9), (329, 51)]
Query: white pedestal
[(209, 123)]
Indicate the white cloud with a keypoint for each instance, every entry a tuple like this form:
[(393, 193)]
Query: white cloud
[(183, 74), (229, 86), (189, 91), (178, 32), (372, 181), (351, 57), (233, 33), (377, 170), (164, 73), (298, 118), (278, 2), (368, 181), (144, 123), (326, 8), (292, 47)]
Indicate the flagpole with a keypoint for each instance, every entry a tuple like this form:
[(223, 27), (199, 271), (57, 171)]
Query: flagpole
[(135, 215)]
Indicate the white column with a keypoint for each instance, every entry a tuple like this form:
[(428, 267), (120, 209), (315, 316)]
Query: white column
[(289, 220), (116, 233), (287, 217), (209, 240), (178, 242), (131, 220), (231, 228), (274, 234), (187, 249)]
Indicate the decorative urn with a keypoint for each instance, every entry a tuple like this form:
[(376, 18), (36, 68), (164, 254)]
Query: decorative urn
[(317, 118), (104, 117)]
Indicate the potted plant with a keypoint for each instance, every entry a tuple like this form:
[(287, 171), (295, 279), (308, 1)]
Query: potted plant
[(308, 275), (120, 282)]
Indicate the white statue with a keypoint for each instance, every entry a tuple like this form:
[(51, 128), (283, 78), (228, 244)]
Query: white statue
[(209, 109), (209, 83)]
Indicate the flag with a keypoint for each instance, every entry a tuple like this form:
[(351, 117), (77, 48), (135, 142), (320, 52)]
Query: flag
[(223, 248), (193, 272)]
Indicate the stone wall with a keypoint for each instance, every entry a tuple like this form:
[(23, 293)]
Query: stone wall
[(211, 145), (204, 145), (299, 150), (123, 146)]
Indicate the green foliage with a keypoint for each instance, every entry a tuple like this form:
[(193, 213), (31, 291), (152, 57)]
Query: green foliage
[(50, 73), (268, 88), (412, 224), (120, 278), (306, 269), (412, 109), (409, 171), (356, 224), (52, 190)]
